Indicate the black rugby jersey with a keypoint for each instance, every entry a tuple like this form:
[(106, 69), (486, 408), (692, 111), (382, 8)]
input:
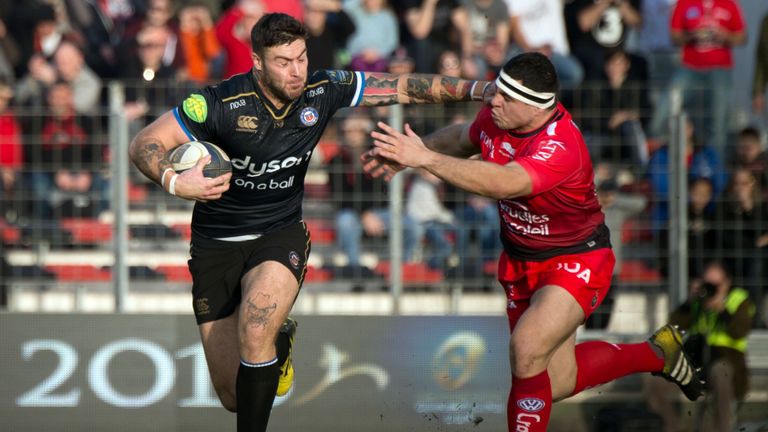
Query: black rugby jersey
[(269, 148)]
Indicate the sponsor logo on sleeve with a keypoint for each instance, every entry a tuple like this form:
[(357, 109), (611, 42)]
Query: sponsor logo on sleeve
[(340, 77), (196, 108)]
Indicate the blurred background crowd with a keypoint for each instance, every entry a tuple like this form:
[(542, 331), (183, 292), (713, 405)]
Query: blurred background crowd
[(619, 61)]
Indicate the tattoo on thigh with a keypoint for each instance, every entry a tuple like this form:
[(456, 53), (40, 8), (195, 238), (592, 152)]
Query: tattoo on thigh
[(260, 308)]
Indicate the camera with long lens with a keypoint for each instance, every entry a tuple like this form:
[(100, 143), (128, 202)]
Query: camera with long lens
[(707, 290)]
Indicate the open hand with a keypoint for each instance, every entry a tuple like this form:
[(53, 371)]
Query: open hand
[(377, 167), (193, 185), (406, 149)]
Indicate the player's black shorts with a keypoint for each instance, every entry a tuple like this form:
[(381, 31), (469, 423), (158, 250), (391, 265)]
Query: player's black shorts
[(217, 267)]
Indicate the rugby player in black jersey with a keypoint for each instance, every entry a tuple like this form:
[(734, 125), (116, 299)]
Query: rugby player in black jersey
[(249, 244)]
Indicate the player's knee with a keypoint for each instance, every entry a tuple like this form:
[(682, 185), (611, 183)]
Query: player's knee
[(525, 356)]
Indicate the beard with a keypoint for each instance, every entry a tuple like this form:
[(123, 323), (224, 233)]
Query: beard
[(270, 85)]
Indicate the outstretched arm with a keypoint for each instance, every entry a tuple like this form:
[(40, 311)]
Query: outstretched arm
[(389, 89), (477, 176), (452, 140)]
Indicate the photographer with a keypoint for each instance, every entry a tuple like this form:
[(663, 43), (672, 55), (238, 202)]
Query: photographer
[(718, 319)]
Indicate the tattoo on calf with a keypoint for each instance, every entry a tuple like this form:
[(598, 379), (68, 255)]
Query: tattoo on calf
[(260, 308)]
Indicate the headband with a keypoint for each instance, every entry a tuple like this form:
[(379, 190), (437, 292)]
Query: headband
[(522, 93)]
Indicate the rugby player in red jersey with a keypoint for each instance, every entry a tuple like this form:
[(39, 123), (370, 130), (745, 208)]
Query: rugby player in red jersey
[(557, 261)]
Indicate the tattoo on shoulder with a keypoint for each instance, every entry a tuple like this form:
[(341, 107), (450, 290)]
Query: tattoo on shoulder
[(260, 308)]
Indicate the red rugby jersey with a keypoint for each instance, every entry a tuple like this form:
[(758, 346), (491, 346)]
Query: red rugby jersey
[(562, 212)]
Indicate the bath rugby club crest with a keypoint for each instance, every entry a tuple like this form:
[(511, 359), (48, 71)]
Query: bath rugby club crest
[(293, 257), (309, 116)]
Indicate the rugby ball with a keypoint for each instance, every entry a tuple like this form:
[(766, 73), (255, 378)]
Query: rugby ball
[(186, 156)]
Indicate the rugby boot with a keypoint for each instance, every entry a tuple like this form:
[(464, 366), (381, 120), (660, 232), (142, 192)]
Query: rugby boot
[(678, 367), (285, 355)]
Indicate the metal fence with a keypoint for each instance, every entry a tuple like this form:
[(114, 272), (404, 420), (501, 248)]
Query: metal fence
[(80, 224)]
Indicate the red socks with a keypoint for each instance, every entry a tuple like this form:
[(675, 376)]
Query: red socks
[(599, 362), (529, 403)]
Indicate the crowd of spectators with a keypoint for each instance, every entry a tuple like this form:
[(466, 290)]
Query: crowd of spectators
[(618, 61)]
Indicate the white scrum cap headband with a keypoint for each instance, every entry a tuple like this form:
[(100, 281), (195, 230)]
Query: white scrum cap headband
[(522, 93)]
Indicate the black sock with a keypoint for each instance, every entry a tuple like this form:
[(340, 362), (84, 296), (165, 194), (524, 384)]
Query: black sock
[(256, 387)]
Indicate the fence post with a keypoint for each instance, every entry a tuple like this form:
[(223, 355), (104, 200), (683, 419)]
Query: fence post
[(118, 142), (396, 221), (678, 207)]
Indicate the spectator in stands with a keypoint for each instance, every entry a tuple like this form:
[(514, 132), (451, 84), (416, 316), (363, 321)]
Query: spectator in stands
[(102, 26), (35, 27), (363, 202), (203, 57), (434, 26), (614, 116), (707, 32), (11, 156), (294, 8), (718, 317), (618, 207), (150, 84), (527, 18), (488, 24), (596, 27), (703, 162), (436, 223), (750, 155), (376, 36), (760, 83), (68, 64), (65, 181), (401, 63), (655, 42), (9, 54), (701, 226), (159, 17), (477, 242), (329, 29), (742, 234), (234, 32)]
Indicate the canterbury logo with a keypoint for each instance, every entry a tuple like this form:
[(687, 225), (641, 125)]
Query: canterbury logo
[(531, 404), (248, 122)]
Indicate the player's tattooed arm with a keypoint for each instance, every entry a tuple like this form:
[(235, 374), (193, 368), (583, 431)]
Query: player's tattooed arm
[(149, 157), (149, 149), (388, 89)]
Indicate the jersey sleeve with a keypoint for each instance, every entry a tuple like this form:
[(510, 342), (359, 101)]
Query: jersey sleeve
[(736, 23), (550, 164), (343, 88), (197, 115), (483, 117), (676, 22)]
